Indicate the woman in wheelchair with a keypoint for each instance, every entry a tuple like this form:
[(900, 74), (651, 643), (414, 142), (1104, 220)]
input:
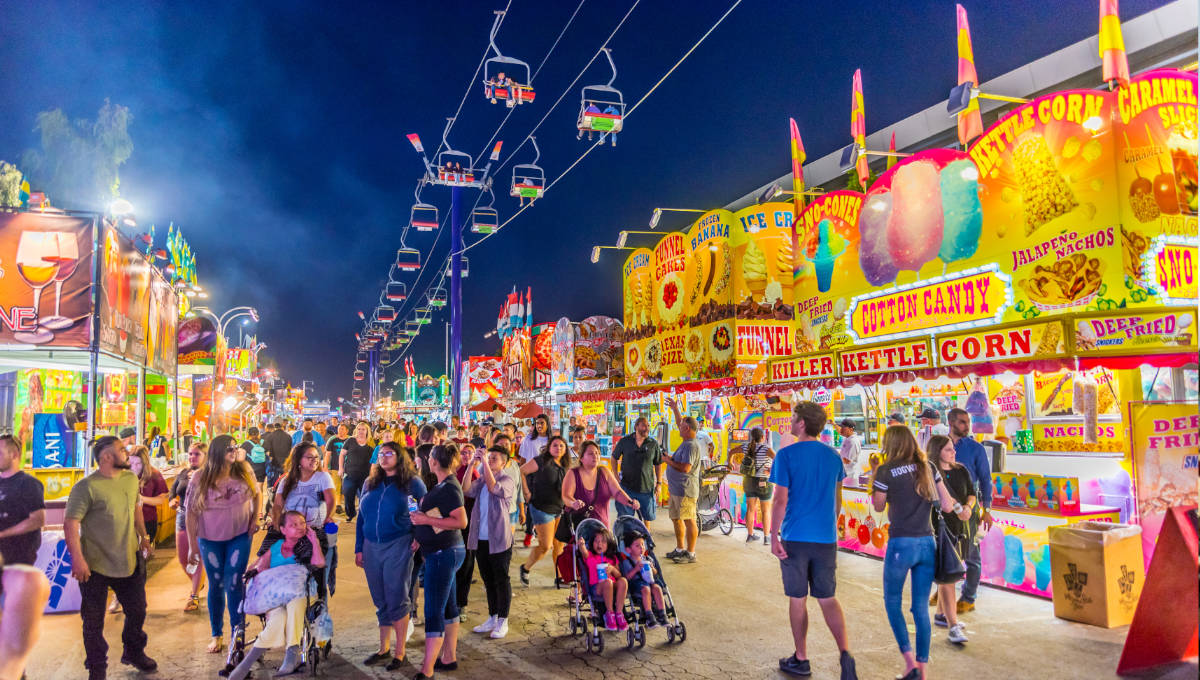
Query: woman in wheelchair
[(285, 622)]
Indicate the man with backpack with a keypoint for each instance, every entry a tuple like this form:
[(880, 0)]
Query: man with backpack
[(256, 455)]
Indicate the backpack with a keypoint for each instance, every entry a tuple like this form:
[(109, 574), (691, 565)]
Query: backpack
[(257, 455), (748, 458)]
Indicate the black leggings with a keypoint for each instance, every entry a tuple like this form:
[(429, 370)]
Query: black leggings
[(493, 567), (467, 571)]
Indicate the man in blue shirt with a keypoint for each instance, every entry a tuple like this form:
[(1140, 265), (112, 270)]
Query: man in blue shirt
[(970, 454), (808, 485), (307, 428)]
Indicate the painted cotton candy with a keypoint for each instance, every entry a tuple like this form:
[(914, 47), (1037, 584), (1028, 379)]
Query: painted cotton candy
[(873, 254), (961, 211), (915, 227)]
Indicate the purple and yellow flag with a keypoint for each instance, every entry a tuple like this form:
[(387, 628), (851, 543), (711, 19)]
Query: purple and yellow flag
[(1112, 44), (858, 126), (970, 124)]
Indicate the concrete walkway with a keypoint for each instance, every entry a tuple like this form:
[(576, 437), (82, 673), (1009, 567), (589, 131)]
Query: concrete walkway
[(731, 600)]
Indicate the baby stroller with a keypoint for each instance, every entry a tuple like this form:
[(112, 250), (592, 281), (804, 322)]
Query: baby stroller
[(627, 529), (708, 504), (316, 637), (586, 610)]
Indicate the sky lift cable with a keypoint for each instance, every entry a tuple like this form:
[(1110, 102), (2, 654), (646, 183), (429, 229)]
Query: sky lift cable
[(599, 142)]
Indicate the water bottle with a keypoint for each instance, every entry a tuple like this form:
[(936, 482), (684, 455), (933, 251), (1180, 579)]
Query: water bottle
[(331, 528), (601, 572), (647, 571), (412, 505)]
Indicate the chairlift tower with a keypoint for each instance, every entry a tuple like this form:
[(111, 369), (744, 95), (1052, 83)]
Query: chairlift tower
[(450, 171)]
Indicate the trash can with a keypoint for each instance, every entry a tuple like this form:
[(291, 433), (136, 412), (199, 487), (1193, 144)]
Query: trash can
[(1097, 572)]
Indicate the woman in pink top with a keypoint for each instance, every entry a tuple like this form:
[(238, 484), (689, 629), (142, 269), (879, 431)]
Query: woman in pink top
[(222, 505), (591, 486)]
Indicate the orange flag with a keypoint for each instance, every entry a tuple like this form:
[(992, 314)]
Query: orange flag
[(858, 126), (970, 124), (1112, 45)]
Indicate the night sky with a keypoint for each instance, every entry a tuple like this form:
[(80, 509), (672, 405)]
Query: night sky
[(274, 133)]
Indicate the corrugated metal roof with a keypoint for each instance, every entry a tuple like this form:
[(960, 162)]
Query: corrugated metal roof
[(1160, 38)]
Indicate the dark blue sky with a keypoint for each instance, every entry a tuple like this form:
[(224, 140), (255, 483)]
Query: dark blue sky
[(273, 132)]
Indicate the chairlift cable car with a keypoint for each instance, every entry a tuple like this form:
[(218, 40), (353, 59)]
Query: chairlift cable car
[(424, 216), (485, 220), (385, 313), (407, 259), (437, 297), (528, 179), (454, 168), (602, 107), (465, 269), (498, 72), (395, 291)]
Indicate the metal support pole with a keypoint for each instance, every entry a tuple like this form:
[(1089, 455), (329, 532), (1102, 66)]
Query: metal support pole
[(140, 421), (456, 246)]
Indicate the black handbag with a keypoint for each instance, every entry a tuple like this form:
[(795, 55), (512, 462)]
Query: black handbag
[(948, 564)]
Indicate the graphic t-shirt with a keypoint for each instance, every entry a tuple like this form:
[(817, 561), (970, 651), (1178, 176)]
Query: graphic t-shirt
[(908, 511), (445, 497), (308, 497), (812, 473), (334, 447), (21, 495)]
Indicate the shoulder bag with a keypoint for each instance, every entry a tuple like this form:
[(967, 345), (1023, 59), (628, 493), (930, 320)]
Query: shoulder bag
[(948, 564)]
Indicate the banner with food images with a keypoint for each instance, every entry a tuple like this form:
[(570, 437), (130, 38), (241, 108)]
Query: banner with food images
[(762, 254), (485, 378), (708, 350), (1036, 219), (640, 316), (1156, 173), (562, 356), (598, 350), (1166, 441), (663, 359), (541, 354)]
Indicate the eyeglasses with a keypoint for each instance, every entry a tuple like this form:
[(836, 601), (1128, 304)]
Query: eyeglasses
[(311, 458), (231, 449), (387, 454)]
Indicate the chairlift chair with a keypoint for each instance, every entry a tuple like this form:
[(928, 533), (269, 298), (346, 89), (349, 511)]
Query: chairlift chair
[(385, 313), (466, 267), (359, 375), (528, 179), (485, 219), (424, 216), (437, 297), (408, 259), (361, 357), (356, 393), (396, 291), (385, 357), (601, 108), (499, 71), (455, 168)]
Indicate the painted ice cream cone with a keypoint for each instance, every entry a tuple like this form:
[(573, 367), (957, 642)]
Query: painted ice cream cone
[(754, 269)]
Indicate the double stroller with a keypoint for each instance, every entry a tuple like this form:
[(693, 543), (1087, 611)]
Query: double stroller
[(587, 615), (316, 586)]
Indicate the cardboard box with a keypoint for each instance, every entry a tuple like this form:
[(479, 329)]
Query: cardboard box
[(1096, 572)]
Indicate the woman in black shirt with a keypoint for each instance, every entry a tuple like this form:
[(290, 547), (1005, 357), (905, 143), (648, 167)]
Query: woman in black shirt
[(355, 465), (908, 485), (177, 500), (437, 528), (546, 472), (958, 482)]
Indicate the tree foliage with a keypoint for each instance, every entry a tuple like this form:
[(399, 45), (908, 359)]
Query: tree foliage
[(78, 163), (10, 185)]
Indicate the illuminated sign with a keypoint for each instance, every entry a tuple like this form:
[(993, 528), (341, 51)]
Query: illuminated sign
[(903, 356), (802, 368), (1146, 332), (968, 299), (763, 340), (1024, 342), (1171, 263)]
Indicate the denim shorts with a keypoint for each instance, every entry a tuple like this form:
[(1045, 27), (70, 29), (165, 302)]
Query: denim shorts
[(539, 517)]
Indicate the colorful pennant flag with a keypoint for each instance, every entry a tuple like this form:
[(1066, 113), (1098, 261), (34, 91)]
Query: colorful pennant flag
[(858, 126), (416, 142), (1112, 44), (798, 159), (892, 149), (970, 123)]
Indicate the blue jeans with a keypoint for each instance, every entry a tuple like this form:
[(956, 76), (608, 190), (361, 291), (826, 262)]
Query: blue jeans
[(225, 563), (974, 569), (905, 554), (649, 506), (441, 607)]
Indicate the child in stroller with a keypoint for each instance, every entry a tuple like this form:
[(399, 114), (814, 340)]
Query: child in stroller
[(601, 573), (281, 586), (640, 572), (637, 549)]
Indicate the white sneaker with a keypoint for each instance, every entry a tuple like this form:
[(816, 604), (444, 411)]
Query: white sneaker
[(958, 633), (487, 626), (501, 629)]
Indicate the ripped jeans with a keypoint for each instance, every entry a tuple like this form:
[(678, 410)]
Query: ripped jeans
[(225, 563)]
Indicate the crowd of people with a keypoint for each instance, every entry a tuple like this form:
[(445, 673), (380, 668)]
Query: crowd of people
[(431, 502)]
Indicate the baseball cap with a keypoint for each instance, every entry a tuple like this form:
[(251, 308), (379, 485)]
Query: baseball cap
[(128, 432), (897, 416), (847, 422), (931, 413)]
